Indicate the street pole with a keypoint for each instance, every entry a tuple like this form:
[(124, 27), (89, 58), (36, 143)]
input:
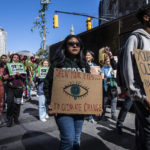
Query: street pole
[(45, 6), (80, 14)]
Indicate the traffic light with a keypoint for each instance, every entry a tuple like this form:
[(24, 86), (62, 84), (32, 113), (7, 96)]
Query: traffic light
[(55, 19), (89, 23)]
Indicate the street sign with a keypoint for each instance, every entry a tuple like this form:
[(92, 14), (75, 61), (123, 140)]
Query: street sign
[(45, 1)]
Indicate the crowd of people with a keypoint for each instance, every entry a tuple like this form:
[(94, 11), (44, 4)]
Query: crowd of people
[(71, 54)]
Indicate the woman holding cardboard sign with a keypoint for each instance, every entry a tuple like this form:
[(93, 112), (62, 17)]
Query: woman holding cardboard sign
[(15, 84), (69, 56), (94, 70), (43, 114)]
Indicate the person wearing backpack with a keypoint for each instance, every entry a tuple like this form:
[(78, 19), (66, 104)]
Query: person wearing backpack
[(110, 88), (133, 80)]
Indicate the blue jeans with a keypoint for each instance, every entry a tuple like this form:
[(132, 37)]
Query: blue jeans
[(42, 107), (142, 124), (70, 131), (91, 117), (124, 109), (113, 105)]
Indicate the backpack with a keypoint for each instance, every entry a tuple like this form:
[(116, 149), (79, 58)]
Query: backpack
[(120, 76)]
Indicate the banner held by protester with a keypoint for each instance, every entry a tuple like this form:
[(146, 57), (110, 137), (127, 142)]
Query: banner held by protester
[(143, 62), (42, 71), (95, 70), (16, 67), (76, 93)]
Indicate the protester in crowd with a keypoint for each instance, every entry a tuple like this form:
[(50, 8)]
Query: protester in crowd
[(90, 57), (110, 88), (27, 90), (1, 90), (106, 52), (112, 58), (43, 110), (3, 62), (134, 83), (102, 55), (69, 56), (33, 72), (14, 92), (90, 60)]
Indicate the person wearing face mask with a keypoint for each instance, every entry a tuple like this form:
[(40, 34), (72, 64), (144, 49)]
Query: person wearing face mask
[(69, 56), (15, 84), (43, 111), (134, 83)]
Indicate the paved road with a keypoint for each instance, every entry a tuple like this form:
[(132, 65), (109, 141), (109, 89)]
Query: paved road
[(33, 134)]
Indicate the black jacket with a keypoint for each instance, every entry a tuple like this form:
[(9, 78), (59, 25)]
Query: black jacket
[(68, 65)]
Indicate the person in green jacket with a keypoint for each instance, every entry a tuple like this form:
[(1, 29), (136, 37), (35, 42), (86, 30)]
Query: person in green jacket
[(69, 56)]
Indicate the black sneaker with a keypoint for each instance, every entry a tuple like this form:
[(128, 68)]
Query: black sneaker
[(119, 129), (103, 118), (4, 110), (9, 123), (113, 117), (16, 121)]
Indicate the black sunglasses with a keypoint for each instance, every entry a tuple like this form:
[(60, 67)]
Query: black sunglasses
[(73, 43)]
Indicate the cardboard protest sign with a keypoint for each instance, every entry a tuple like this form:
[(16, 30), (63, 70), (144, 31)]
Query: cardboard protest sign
[(16, 67), (95, 70), (42, 71), (76, 92), (143, 62)]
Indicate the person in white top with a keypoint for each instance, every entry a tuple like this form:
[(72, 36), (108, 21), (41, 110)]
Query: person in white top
[(134, 83)]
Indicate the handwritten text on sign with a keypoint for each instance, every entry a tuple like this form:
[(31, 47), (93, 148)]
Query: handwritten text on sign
[(143, 62), (16, 67), (76, 92), (42, 71)]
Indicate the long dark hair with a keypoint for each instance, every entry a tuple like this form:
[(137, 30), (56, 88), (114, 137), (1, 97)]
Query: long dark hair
[(61, 53), (2, 64), (11, 57), (91, 52), (141, 12)]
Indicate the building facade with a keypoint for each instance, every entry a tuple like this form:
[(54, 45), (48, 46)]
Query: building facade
[(112, 9), (3, 38)]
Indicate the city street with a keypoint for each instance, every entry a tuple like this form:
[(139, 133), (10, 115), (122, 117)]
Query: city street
[(33, 134)]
